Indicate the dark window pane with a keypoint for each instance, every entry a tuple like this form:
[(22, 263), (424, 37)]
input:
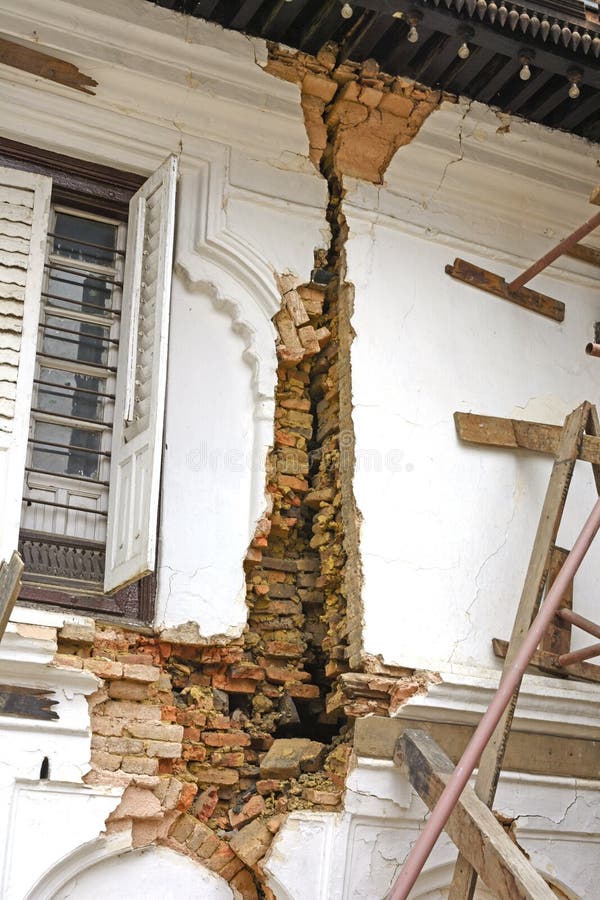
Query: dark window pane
[(83, 460), (84, 239), (73, 340), (72, 290), (70, 394)]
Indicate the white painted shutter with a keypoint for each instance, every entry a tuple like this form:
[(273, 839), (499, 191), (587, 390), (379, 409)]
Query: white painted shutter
[(141, 381), (24, 216)]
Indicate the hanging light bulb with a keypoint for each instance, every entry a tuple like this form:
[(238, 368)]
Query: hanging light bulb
[(463, 51), (525, 73), (413, 35), (464, 34), (526, 57), (574, 76), (347, 11)]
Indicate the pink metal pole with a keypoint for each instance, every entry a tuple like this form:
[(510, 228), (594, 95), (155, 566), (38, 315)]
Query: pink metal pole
[(553, 254), (579, 621), (511, 679), (565, 659)]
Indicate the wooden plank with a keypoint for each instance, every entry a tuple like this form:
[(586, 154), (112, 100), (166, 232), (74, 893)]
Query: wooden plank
[(493, 431), (494, 284), (557, 639), (585, 254), (536, 753), (465, 879), (10, 583), (26, 703), (29, 59), (472, 826), (547, 661)]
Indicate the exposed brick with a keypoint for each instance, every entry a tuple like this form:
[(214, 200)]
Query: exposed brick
[(102, 760), (213, 775), (144, 673), (245, 885), (183, 828), (163, 749), (140, 765), (105, 725), (130, 690), (226, 739), (219, 859), (137, 803), (132, 711), (124, 746), (251, 842), (67, 661), (155, 732), (78, 634), (103, 668), (253, 808), (323, 798)]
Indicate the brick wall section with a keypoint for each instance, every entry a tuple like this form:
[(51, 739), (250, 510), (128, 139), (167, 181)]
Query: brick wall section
[(354, 114), (200, 737), (356, 119), (193, 732)]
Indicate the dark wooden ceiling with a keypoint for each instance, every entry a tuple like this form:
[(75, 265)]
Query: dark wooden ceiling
[(559, 41)]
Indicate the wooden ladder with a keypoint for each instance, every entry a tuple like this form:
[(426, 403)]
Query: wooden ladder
[(484, 848)]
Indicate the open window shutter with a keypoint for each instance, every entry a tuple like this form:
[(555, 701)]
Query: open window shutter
[(141, 381), (24, 216)]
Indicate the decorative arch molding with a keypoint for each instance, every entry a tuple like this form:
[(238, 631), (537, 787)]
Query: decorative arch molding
[(212, 257), (110, 848)]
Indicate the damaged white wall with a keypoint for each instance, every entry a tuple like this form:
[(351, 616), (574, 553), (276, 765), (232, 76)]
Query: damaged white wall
[(444, 527), (447, 528)]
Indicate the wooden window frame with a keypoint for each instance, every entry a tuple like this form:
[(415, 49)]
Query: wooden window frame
[(105, 191)]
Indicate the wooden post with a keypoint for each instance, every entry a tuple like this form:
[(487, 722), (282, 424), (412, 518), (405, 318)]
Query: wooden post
[(465, 878), (479, 837), (10, 584)]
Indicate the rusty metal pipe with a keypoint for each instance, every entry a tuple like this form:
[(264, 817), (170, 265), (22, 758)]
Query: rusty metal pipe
[(565, 659), (592, 349), (511, 679), (579, 621), (553, 254)]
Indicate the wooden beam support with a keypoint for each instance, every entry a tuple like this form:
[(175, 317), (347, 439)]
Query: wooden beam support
[(557, 639), (494, 431), (472, 826), (541, 659), (10, 584), (571, 436), (27, 703), (495, 284), (29, 59), (585, 254)]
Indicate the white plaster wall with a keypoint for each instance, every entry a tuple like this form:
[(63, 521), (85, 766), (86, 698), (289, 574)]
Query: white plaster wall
[(357, 854), (447, 528), (149, 874), (42, 821), (207, 468)]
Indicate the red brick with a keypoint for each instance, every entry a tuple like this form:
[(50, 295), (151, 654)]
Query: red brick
[(228, 739), (196, 752), (223, 855), (186, 798), (249, 811), (234, 685), (244, 883)]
